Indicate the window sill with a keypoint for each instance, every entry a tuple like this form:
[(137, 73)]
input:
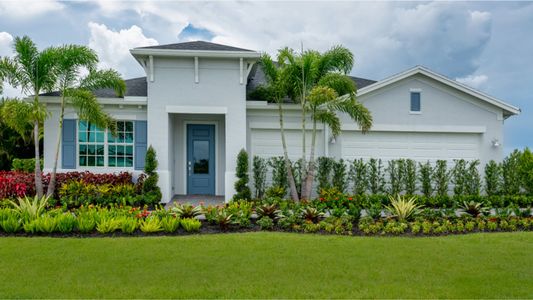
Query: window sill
[(415, 112)]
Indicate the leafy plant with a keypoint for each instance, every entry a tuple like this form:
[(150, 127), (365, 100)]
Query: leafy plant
[(66, 223), (86, 222), (511, 173), (473, 179), (241, 185), (325, 167), (259, 169), (190, 225), (224, 219), (339, 175), (45, 223), (441, 178), (395, 171), (150, 188), (358, 176), (128, 225), (30, 208), (186, 211), (403, 208), (265, 223), (11, 224), (425, 175), (311, 214), (107, 224), (267, 210), (459, 177), (170, 224), (474, 208), (525, 171), (276, 192), (151, 225), (376, 177), (279, 173), (409, 176), (493, 178)]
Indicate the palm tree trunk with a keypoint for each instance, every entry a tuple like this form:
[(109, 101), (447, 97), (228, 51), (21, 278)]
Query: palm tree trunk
[(38, 175), (52, 183), (303, 191), (290, 176), (309, 179)]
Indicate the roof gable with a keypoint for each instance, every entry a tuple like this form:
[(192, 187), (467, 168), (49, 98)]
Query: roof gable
[(508, 108)]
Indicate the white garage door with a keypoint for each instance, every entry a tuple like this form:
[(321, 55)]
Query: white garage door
[(267, 143), (421, 146)]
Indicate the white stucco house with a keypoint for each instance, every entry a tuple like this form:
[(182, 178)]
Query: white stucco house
[(192, 107)]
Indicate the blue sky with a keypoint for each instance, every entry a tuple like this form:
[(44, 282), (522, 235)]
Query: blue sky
[(487, 45)]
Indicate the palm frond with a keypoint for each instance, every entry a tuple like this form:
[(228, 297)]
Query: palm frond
[(342, 84), (97, 79), (337, 59), (330, 119), (17, 115), (89, 109)]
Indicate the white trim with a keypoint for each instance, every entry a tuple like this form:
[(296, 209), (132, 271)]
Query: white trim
[(184, 150), (185, 109), (193, 53), (135, 98), (103, 101), (418, 128), (415, 112), (513, 110), (151, 64), (249, 69), (241, 71), (196, 79), (275, 125)]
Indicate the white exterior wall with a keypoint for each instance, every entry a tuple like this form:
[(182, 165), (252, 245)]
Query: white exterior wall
[(451, 125), (217, 92), (51, 129)]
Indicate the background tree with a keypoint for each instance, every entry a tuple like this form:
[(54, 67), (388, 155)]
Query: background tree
[(150, 189), (14, 144), (33, 71), (77, 91)]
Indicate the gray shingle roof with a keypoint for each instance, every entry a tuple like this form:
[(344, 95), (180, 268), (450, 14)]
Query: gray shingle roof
[(196, 45), (134, 87)]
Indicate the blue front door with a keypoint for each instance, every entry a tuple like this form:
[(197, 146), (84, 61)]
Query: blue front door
[(200, 159)]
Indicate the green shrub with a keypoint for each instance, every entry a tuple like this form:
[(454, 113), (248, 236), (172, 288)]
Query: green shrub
[(376, 177), (24, 164), (358, 176), (525, 171), (276, 192), (323, 176), (511, 173), (86, 221), (151, 225), (425, 175), (493, 178), (241, 185), (339, 177), (441, 178), (473, 179), (279, 172), (29, 208), (265, 223), (395, 170), (11, 223), (186, 211), (259, 169), (108, 224), (191, 225), (150, 189), (128, 225), (170, 224), (409, 177), (66, 223)]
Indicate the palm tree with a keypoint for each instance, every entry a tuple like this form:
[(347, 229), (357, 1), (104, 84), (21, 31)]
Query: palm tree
[(33, 71), (323, 105), (277, 89), (77, 91), (309, 70)]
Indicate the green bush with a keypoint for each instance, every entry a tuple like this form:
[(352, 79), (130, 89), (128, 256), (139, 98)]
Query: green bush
[(265, 223), (241, 185), (376, 176), (24, 164), (325, 167), (191, 225), (441, 178), (425, 175), (409, 177), (358, 176), (279, 173), (511, 173), (339, 177), (525, 171), (259, 170), (150, 189), (493, 178), (395, 170)]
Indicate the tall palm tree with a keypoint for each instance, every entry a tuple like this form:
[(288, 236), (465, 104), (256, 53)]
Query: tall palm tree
[(77, 91), (277, 88), (323, 105), (33, 71), (310, 69)]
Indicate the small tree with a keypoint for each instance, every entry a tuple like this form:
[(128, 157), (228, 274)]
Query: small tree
[(358, 176), (241, 185), (424, 176), (493, 178), (339, 176), (376, 176), (511, 173), (151, 191), (441, 178), (259, 170), (410, 177)]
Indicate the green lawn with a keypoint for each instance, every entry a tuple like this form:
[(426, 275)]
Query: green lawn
[(269, 265)]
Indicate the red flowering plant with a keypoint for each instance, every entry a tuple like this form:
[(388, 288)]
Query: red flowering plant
[(16, 184), (333, 198)]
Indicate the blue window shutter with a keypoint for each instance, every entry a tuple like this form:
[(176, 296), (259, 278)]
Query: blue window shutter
[(415, 101), (68, 144), (140, 144)]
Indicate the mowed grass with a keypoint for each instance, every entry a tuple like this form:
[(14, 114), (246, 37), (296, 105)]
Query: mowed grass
[(269, 265)]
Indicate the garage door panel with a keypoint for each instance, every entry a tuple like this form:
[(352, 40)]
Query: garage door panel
[(267, 143), (416, 145)]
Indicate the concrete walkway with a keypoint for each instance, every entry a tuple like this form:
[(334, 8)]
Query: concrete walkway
[(205, 200)]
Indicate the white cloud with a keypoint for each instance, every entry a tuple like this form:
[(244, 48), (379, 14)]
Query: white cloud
[(26, 9), (113, 46), (6, 44), (475, 81)]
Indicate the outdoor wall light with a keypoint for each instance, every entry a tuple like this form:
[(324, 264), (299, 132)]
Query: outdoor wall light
[(332, 140), (495, 143)]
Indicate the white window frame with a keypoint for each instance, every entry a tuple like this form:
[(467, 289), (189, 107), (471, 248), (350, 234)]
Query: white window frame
[(97, 169), (419, 91)]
